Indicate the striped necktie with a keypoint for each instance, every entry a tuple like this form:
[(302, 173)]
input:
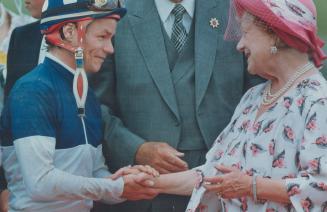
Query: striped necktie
[(179, 34)]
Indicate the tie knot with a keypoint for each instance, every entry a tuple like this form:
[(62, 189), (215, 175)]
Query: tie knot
[(178, 11)]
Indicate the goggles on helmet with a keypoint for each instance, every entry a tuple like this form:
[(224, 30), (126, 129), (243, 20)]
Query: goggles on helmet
[(105, 5), (91, 5)]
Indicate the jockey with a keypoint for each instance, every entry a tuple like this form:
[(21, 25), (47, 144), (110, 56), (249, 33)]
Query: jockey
[(51, 124)]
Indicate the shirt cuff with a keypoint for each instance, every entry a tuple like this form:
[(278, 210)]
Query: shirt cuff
[(114, 192)]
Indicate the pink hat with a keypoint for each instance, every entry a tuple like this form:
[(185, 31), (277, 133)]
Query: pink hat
[(294, 22)]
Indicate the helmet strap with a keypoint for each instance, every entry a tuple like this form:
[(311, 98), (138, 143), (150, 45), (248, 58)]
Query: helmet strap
[(80, 82)]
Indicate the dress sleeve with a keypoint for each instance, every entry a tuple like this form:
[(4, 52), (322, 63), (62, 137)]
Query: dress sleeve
[(243, 107), (308, 191)]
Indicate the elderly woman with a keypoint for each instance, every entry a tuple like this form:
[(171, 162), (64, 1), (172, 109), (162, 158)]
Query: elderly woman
[(272, 155)]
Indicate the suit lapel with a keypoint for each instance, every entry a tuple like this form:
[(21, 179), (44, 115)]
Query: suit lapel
[(206, 41), (146, 26)]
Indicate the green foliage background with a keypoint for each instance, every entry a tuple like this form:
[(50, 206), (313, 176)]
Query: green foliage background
[(322, 25), (11, 5)]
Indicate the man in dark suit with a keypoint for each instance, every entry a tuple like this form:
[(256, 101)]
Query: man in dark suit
[(173, 87), (24, 46), (23, 54)]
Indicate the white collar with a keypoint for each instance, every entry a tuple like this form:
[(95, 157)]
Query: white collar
[(165, 7), (57, 60)]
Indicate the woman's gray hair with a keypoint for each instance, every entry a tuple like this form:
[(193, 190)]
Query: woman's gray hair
[(267, 27)]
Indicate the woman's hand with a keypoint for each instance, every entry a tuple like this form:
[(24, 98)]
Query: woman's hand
[(232, 184)]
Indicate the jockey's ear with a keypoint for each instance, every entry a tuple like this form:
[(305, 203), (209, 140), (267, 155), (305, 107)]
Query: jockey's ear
[(69, 34)]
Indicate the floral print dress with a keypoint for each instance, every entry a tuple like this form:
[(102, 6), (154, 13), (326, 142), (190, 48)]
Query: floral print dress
[(289, 142)]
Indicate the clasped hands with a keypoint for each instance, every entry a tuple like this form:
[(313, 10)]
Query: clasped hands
[(232, 183), (138, 182)]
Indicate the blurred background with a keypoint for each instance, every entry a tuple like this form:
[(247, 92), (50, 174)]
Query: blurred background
[(322, 24), (12, 15), (11, 4)]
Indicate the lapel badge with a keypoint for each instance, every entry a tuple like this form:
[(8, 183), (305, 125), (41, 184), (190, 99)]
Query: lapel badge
[(214, 23)]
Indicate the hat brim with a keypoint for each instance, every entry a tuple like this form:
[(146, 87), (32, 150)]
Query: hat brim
[(120, 11)]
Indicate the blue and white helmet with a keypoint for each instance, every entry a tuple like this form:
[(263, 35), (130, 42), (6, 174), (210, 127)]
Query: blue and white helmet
[(57, 11)]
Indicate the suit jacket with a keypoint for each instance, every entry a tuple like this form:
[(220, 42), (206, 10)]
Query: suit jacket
[(141, 92), (23, 52)]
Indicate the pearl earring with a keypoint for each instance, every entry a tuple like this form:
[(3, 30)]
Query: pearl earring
[(273, 50)]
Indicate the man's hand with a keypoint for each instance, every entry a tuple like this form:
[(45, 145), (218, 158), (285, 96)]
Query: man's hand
[(138, 186), (135, 170), (4, 196), (161, 156)]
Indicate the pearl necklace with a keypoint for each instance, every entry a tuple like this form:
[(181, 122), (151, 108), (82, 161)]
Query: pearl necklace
[(268, 98)]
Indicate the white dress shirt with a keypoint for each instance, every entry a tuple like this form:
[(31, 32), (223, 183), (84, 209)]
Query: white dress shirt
[(43, 50), (165, 8)]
